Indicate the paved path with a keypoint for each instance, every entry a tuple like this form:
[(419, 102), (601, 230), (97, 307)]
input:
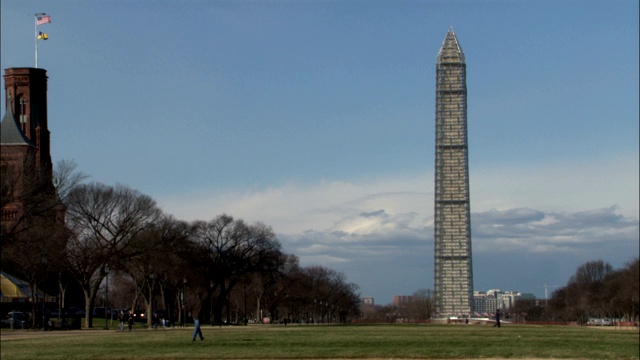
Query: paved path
[(7, 335)]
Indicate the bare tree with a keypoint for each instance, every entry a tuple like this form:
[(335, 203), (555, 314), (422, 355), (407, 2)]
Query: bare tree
[(421, 307), (66, 177), (152, 261), (597, 290), (33, 253), (34, 239), (103, 221), (232, 250), (631, 292), (592, 271), (328, 295)]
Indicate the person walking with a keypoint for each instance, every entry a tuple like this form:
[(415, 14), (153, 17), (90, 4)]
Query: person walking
[(121, 319), (155, 321), (497, 318), (194, 300), (196, 312), (130, 319)]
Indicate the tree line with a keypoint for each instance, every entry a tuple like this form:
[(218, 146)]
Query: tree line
[(420, 308), (116, 238), (596, 290)]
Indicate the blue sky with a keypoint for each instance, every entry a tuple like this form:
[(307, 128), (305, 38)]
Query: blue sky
[(317, 118)]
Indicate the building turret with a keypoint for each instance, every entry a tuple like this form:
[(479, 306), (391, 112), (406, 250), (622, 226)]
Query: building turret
[(25, 156)]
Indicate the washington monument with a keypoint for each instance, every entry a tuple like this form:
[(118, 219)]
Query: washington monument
[(453, 275)]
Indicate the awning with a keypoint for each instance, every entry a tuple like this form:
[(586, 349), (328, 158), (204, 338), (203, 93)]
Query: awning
[(13, 289)]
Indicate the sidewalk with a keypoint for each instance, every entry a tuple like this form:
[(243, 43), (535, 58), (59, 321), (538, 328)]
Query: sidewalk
[(6, 335)]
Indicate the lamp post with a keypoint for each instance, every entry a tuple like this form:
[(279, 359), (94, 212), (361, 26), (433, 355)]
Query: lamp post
[(184, 309), (211, 301), (106, 297), (151, 310), (245, 304), (60, 299), (44, 265), (633, 311)]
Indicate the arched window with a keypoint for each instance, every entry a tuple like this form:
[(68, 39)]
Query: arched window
[(21, 112)]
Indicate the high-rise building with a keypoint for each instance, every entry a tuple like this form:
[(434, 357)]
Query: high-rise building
[(400, 300), (453, 276)]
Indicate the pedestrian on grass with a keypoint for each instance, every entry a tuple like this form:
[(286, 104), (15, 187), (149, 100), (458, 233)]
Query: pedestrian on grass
[(195, 314), (196, 299), (130, 319), (121, 319), (155, 321), (497, 318)]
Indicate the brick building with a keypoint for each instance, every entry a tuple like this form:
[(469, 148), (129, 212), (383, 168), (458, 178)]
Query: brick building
[(25, 152)]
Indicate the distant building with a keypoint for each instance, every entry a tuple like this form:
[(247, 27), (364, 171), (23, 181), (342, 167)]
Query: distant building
[(485, 304), (453, 274), (509, 298), (368, 301), (400, 300)]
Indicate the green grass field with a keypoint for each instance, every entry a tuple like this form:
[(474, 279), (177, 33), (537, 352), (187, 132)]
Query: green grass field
[(327, 342)]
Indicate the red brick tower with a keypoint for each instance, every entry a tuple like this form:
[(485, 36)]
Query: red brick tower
[(25, 154)]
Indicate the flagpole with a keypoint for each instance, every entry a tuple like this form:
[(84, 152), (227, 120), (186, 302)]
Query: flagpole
[(35, 37)]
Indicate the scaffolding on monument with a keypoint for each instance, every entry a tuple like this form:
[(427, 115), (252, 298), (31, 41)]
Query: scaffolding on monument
[(453, 276)]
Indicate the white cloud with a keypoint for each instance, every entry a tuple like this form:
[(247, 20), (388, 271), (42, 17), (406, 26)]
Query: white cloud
[(296, 207), (559, 187), (538, 210), (565, 232), (371, 229), (293, 207)]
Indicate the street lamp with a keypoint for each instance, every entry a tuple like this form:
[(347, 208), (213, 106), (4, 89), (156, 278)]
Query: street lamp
[(60, 299), (184, 309), (211, 301), (44, 298), (151, 311), (106, 307)]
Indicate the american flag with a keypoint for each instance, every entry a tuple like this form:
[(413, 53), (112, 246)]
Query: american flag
[(45, 19)]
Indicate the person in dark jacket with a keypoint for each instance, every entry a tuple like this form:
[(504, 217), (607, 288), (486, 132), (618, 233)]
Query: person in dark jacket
[(194, 301), (497, 318), (196, 314), (155, 321), (130, 319), (121, 319)]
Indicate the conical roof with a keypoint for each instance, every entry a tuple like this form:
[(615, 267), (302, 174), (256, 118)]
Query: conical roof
[(450, 51), (10, 133)]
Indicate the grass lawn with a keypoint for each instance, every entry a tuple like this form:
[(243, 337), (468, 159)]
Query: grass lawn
[(327, 342)]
